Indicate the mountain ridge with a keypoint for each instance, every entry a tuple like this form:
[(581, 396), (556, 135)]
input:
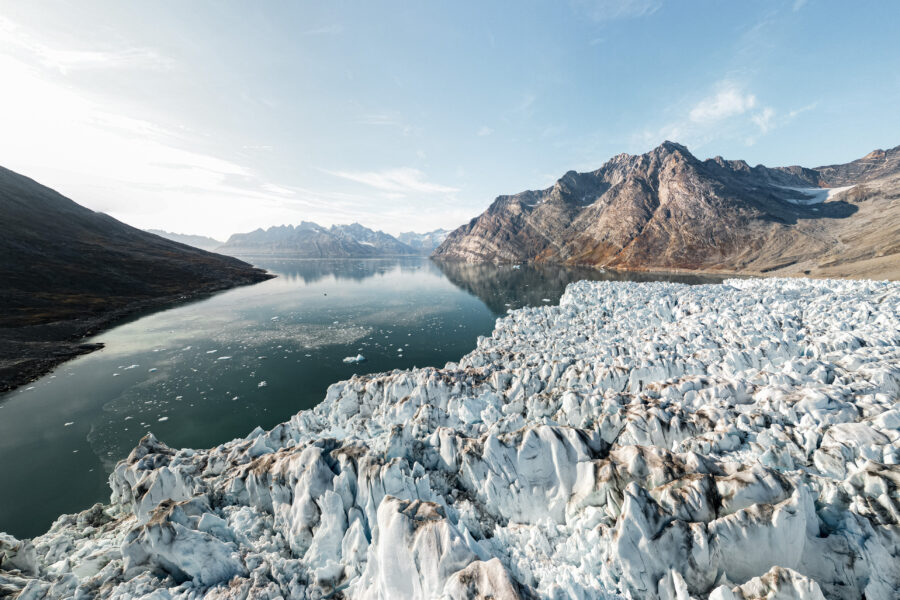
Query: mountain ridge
[(310, 240), (668, 210)]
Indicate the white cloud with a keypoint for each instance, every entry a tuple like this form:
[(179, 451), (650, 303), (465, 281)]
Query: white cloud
[(403, 180), (765, 120), (802, 109), (485, 130), (17, 40), (728, 101), (106, 153), (798, 4), (728, 111), (139, 171), (611, 10)]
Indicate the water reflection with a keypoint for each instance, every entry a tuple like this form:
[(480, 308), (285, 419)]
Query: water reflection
[(311, 270), (502, 287)]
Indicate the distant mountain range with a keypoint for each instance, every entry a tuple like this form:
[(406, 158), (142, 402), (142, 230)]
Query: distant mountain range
[(667, 210), (309, 240), (424, 243), (197, 241), (67, 271)]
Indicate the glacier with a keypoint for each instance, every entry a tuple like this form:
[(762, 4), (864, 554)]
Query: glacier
[(639, 440)]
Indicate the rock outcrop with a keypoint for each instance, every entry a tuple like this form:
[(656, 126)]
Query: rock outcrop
[(668, 210), (643, 440)]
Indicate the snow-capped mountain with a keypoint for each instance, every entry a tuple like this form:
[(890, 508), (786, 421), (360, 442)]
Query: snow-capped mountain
[(425, 243), (310, 240)]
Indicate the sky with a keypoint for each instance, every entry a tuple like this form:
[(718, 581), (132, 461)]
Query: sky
[(220, 117)]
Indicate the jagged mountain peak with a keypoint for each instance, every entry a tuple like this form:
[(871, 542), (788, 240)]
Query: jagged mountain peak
[(667, 209), (672, 147)]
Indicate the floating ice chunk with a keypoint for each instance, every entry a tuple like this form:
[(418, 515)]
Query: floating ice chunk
[(354, 359), (152, 370), (261, 384), (163, 419), (68, 423), (224, 358)]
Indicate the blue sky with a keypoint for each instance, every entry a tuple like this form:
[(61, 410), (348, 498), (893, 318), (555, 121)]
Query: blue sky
[(214, 118)]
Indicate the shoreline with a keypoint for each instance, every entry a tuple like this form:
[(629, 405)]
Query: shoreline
[(47, 345), (892, 271)]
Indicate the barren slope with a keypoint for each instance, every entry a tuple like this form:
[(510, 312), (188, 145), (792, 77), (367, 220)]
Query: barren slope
[(667, 210)]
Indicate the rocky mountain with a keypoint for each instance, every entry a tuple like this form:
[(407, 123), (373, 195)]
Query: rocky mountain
[(425, 243), (667, 210), (197, 241), (67, 271), (309, 240)]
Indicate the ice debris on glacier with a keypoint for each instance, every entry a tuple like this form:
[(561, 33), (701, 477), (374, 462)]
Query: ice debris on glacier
[(646, 440)]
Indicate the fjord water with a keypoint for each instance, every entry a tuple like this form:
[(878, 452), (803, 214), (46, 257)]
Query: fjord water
[(203, 373)]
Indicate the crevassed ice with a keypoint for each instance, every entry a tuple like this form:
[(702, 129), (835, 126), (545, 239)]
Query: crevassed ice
[(642, 440)]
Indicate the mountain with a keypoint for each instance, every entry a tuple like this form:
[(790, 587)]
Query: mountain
[(309, 240), (424, 243), (667, 210), (67, 271), (197, 241)]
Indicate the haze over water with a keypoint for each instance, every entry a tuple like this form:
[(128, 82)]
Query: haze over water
[(210, 371)]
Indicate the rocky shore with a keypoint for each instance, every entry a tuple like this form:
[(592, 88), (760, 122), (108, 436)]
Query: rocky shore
[(29, 351), (643, 440)]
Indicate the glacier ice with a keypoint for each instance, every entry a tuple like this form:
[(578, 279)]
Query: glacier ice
[(640, 440)]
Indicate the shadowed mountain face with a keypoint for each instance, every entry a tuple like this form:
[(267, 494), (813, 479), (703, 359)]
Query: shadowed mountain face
[(68, 271), (309, 240), (668, 210)]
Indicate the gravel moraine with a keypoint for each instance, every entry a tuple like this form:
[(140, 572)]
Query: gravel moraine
[(643, 440)]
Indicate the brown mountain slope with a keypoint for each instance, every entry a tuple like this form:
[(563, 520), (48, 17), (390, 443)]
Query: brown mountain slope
[(67, 271), (667, 210)]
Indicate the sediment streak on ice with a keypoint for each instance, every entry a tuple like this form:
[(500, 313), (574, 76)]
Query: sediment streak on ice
[(653, 440)]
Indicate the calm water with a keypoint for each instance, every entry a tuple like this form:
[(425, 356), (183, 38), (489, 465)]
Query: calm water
[(204, 373)]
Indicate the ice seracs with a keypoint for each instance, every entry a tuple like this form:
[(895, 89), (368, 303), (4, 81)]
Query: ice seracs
[(652, 440)]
